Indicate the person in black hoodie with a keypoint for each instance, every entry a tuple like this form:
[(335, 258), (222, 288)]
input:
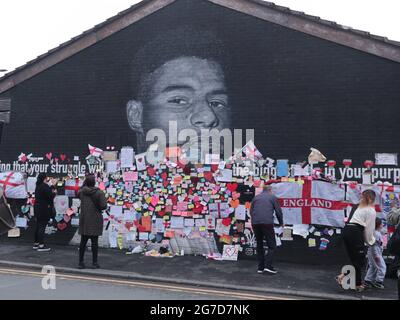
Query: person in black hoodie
[(93, 201), (43, 209)]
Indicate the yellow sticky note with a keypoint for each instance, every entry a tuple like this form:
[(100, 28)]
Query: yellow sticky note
[(312, 243)]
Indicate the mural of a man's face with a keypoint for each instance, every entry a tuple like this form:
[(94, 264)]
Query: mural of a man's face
[(188, 90)]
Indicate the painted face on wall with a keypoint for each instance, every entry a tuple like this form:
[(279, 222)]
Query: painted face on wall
[(188, 90)]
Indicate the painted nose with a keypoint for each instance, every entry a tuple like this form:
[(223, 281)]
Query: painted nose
[(204, 117)]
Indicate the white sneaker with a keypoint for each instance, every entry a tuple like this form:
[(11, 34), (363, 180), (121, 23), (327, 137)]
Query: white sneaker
[(271, 270), (43, 249)]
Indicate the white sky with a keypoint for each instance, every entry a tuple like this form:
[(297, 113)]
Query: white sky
[(30, 28)]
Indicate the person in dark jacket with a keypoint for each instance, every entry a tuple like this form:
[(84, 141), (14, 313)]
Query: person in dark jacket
[(43, 209), (93, 201), (262, 212)]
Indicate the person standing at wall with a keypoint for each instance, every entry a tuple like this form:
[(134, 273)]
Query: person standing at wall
[(93, 201), (358, 231), (43, 209), (262, 212)]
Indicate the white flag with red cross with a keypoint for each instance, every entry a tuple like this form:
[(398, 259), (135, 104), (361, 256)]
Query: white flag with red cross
[(95, 152), (251, 151), (13, 185), (72, 187), (314, 202)]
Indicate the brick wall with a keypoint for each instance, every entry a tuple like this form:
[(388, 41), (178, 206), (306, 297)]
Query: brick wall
[(297, 91)]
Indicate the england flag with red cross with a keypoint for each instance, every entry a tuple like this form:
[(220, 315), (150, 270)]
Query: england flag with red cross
[(311, 202)]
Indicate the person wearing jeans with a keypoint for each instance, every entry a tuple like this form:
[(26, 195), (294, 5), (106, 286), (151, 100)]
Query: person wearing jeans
[(262, 212), (93, 201), (359, 231)]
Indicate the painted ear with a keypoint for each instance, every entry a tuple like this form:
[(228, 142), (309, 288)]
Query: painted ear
[(134, 111)]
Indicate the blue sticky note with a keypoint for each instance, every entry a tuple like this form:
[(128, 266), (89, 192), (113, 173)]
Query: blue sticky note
[(282, 168)]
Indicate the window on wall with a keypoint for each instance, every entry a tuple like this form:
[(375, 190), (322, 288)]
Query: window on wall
[(5, 110)]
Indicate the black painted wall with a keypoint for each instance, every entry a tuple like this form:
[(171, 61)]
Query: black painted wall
[(298, 91)]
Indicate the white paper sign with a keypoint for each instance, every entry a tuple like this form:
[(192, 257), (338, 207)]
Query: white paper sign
[(386, 159), (140, 161), (21, 222), (127, 157), (240, 212), (230, 253), (31, 184), (61, 204), (112, 166)]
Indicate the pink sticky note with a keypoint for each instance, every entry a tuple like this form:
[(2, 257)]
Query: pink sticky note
[(154, 200), (130, 176)]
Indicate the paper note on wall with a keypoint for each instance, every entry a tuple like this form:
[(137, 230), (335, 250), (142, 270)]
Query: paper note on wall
[(31, 184), (240, 212), (21, 222), (127, 157), (230, 252), (386, 159), (61, 204), (282, 168)]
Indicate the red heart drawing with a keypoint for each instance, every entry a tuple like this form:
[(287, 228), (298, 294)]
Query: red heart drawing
[(49, 155), (151, 171), (331, 163), (208, 175), (129, 225), (226, 222), (161, 213), (164, 176), (24, 158), (62, 226), (214, 167), (347, 162), (232, 186), (63, 157), (368, 163)]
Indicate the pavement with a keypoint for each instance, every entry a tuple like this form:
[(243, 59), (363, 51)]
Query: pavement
[(296, 280)]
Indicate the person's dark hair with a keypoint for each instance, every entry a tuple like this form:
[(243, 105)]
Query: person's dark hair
[(368, 197), (90, 181), (378, 223), (175, 43), (41, 178)]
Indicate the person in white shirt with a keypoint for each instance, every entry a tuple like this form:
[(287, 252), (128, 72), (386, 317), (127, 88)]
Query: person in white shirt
[(359, 231)]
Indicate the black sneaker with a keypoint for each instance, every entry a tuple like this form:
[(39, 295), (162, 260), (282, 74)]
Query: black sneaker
[(260, 271), (368, 284), (95, 266), (81, 265), (378, 285), (270, 270), (35, 246), (43, 248)]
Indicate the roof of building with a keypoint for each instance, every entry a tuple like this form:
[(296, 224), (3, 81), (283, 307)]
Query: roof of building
[(325, 29)]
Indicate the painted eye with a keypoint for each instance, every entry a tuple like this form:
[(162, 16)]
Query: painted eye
[(178, 101), (217, 104)]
